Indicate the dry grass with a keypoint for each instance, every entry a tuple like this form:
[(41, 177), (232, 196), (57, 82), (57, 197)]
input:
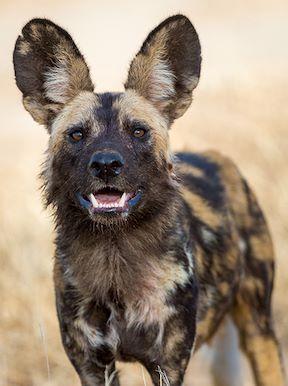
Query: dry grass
[(243, 116)]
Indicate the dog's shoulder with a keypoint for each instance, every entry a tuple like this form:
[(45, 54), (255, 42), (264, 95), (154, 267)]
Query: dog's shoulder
[(210, 184)]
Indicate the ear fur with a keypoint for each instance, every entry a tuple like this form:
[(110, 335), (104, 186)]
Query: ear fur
[(167, 68), (49, 69)]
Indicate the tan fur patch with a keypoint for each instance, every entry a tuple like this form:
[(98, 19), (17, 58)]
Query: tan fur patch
[(265, 353), (24, 47), (35, 31), (189, 169), (79, 110), (261, 247), (204, 326), (202, 208), (174, 341), (173, 274), (200, 258), (253, 286), (224, 288), (132, 106), (151, 74), (35, 108)]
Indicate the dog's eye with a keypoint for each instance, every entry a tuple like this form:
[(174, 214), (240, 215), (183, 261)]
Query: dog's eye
[(139, 132), (76, 135)]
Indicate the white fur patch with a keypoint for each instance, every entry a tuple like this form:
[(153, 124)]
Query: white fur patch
[(94, 337), (162, 81), (112, 339), (189, 255), (242, 245), (148, 311), (56, 83), (208, 236)]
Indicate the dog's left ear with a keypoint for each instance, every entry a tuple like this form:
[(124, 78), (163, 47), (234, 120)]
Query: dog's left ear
[(167, 68)]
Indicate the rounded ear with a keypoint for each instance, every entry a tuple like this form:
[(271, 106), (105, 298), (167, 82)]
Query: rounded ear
[(167, 68), (49, 69)]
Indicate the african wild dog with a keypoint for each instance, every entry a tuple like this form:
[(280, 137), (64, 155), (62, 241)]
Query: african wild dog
[(153, 251)]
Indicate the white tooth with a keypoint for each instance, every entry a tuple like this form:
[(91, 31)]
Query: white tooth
[(100, 206), (123, 199), (93, 200)]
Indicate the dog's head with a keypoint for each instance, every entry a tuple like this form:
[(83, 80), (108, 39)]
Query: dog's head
[(108, 156)]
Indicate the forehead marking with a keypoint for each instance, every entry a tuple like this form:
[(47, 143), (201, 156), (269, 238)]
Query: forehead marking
[(79, 110), (106, 113), (132, 106)]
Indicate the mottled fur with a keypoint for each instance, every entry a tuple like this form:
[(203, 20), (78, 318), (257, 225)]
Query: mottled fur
[(154, 284)]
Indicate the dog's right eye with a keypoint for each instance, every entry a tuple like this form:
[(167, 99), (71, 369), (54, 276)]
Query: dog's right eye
[(76, 135)]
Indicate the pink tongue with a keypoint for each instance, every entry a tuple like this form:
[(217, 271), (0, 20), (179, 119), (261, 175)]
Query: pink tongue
[(107, 198)]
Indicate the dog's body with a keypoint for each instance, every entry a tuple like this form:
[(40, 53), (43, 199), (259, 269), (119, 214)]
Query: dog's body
[(152, 250)]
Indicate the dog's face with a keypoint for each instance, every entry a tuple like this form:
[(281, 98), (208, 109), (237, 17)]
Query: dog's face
[(108, 155)]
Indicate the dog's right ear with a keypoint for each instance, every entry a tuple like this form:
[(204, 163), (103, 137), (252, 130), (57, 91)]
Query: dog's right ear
[(49, 69)]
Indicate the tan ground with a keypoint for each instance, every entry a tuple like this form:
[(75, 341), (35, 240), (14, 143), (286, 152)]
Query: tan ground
[(240, 108)]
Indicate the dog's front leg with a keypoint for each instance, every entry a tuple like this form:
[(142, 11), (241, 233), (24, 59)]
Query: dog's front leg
[(178, 338), (84, 346)]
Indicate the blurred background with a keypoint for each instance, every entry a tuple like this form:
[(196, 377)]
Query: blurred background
[(239, 108)]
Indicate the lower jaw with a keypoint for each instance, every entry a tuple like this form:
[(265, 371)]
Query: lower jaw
[(109, 211)]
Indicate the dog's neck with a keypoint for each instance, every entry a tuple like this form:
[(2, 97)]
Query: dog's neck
[(123, 263)]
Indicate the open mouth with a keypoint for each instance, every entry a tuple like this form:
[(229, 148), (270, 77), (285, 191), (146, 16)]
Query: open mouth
[(109, 200)]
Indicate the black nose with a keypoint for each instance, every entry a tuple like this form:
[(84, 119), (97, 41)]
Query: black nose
[(106, 164)]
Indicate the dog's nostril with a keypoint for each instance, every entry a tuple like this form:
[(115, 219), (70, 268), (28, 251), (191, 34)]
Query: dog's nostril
[(96, 166), (115, 165)]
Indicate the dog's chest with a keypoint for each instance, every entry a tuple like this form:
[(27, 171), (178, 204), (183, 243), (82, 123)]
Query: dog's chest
[(129, 331), (140, 309)]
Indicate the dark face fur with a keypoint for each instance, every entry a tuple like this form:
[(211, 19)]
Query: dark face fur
[(108, 158), (104, 160)]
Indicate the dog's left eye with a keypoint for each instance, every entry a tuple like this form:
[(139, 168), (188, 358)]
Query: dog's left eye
[(76, 135), (139, 132)]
